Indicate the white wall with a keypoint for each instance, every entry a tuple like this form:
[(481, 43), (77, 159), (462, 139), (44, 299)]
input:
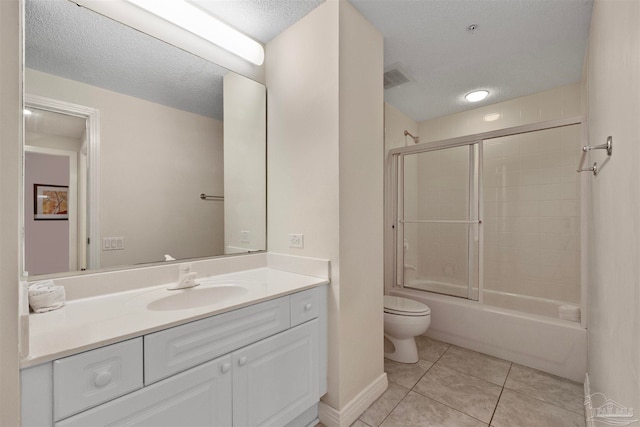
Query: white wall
[(245, 162), (10, 151), (325, 176), (614, 206), (155, 162)]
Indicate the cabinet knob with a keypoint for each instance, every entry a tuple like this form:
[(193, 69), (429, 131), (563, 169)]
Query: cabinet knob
[(101, 379), (307, 307), (242, 361), (225, 368)]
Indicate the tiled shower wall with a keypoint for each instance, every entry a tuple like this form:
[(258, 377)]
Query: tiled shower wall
[(532, 214), (531, 202)]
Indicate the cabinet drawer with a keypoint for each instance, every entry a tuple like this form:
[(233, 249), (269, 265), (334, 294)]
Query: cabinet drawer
[(97, 376), (304, 306), (198, 397), (177, 349)]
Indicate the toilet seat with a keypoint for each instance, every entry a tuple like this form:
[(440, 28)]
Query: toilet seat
[(405, 306)]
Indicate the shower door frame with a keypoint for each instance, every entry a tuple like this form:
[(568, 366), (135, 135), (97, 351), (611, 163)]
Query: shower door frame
[(395, 189)]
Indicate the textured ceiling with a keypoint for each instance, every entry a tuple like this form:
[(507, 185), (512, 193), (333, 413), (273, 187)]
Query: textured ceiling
[(260, 19), (519, 47), (73, 42)]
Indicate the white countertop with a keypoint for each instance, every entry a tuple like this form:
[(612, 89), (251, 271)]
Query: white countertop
[(89, 323)]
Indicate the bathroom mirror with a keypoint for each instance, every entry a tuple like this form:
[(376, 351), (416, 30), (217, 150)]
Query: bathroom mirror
[(123, 134)]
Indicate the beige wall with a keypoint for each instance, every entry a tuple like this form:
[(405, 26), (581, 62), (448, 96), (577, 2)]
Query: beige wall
[(361, 202), (325, 176), (614, 205), (154, 163), (302, 156), (245, 161), (10, 150)]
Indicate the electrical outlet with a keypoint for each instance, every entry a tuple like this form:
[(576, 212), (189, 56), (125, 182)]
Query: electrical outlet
[(245, 237), (296, 240)]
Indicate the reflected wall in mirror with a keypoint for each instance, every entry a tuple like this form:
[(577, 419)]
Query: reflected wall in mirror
[(159, 144)]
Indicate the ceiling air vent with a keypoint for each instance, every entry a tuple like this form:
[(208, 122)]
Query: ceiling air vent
[(395, 76)]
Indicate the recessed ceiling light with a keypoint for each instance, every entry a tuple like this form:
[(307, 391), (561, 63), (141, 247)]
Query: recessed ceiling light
[(476, 95)]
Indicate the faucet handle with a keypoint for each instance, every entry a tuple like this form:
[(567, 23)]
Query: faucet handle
[(184, 268)]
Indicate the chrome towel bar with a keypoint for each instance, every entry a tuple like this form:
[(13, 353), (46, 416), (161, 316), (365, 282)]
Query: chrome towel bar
[(606, 146), (206, 197)]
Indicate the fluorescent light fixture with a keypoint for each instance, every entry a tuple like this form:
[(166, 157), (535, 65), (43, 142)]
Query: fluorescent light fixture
[(476, 95), (491, 117), (200, 23), (27, 112)]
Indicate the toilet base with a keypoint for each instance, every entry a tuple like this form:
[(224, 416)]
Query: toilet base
[(405, 350)]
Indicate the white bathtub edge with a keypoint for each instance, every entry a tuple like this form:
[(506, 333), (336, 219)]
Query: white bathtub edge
[(550, 345)]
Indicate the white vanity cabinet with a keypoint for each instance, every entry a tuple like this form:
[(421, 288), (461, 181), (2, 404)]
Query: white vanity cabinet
[(207, 372)]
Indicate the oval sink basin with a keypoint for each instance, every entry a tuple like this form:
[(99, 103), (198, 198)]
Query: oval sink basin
[(196, 297)]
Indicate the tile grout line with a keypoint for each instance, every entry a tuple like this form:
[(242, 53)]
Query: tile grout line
[(542, 401), (411, 389), (501, 391)]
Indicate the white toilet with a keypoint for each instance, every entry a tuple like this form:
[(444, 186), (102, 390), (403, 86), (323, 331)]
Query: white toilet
[(404, 319)]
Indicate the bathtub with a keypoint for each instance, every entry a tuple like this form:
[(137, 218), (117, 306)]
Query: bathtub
[(549, 344), (521, 303)]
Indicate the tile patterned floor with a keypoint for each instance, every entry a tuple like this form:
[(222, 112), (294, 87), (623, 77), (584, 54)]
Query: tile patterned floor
[(454, 387)]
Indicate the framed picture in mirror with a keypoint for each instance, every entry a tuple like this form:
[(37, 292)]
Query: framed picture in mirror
[(50, 202)]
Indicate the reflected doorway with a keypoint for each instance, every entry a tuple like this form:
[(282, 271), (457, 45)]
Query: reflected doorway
[(55, 192), (61, 148)]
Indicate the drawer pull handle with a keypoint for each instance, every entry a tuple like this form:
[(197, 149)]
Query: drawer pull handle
[(102, 379), (307, 307), (226, 368), (242, 361)]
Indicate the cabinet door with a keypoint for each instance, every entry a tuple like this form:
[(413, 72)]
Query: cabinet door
[(276, 379), (198, 397)]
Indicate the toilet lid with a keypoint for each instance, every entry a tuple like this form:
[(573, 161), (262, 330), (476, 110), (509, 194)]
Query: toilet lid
[(405, 306)]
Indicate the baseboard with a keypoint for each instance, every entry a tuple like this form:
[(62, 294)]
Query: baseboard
[(588, 405), (331, 417)]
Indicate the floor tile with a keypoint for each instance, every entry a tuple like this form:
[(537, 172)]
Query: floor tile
[(406, 374), (378, 411), (430, 349), (517, 409), (416, 410), (549, 388), (479, 365), (359, 423), (463, 392)]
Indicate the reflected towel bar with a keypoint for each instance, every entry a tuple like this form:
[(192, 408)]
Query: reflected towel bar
[(206, 197), (593, 169)]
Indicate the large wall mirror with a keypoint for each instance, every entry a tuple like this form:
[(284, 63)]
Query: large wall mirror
[(123, 134)]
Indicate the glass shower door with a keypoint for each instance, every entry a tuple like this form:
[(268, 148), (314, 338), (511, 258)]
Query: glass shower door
[(438, 221)]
